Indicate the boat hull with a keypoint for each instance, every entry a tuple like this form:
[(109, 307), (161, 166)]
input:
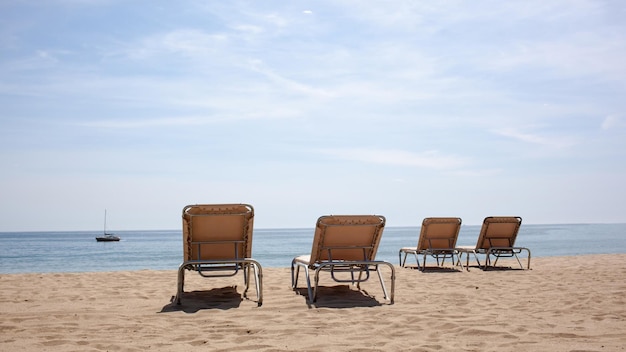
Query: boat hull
[(107, 239)]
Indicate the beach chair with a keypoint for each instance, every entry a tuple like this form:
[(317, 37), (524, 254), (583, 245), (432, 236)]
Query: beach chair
[(437, 239), (345, 246), (496, 239), (217, 242)]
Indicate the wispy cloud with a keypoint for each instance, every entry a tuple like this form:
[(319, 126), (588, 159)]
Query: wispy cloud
[(613, 122), (146, 123), (218, 117), (576, 55), (288, 84), (428, 159), (536, 138), (193, 43)]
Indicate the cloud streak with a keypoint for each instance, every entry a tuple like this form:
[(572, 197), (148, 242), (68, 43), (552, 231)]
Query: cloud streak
[(558, 142), (427, 160)]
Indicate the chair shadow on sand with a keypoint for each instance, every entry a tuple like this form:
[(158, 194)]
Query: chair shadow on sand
[(222, 298), (339, 296), (444, 270), (501, 268), (434, 269)]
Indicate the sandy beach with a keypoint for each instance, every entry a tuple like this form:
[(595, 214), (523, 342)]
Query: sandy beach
[(575, 303)]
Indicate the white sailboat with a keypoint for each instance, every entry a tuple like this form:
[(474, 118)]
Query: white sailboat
[(107, 237)]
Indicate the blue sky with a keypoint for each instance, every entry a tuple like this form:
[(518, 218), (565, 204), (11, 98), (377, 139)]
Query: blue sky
[(408, 109)]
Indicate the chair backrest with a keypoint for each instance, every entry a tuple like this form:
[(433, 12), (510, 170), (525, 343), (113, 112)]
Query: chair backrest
[(217, 231), (347, 237), (439, 233), (498, 231)]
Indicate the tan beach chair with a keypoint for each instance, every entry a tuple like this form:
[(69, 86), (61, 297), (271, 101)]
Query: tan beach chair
[(344, 245), (437, 239), (217, 242), (496, 239)]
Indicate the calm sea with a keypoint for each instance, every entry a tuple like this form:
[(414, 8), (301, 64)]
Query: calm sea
[(39, 252)]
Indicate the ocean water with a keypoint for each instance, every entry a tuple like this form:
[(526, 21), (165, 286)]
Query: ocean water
[(40, 252)]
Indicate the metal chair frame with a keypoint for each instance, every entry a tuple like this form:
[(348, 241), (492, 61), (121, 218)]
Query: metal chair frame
[(336, 266), (211, 268)]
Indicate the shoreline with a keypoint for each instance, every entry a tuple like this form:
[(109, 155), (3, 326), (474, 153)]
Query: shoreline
[(410, 261), (562, 304)]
